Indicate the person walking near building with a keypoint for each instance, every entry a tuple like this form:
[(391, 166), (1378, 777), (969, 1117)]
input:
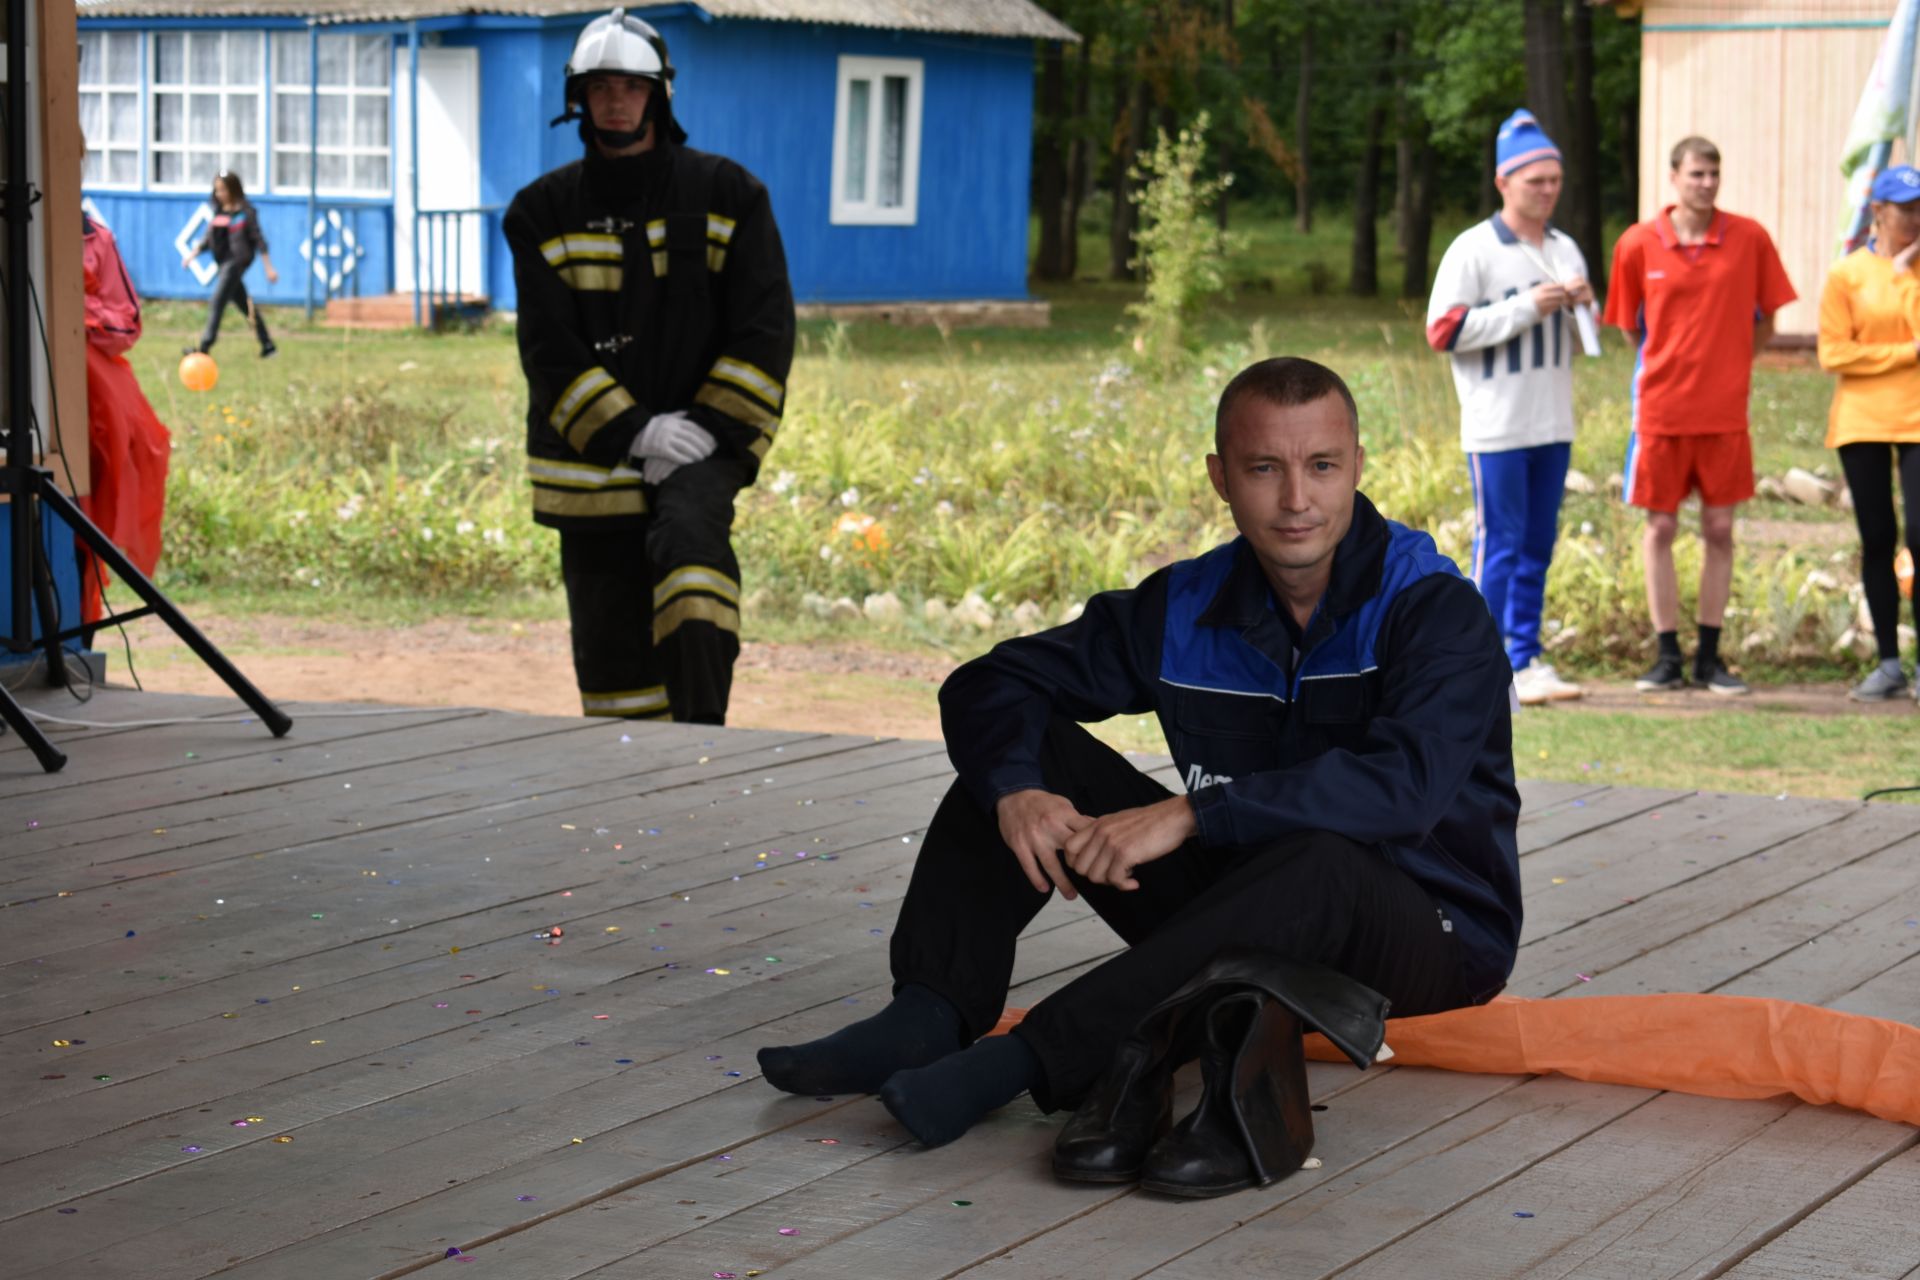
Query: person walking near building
[(1696, 287), (656, 330), (1870, 336), (234, 238), (1504, 306)]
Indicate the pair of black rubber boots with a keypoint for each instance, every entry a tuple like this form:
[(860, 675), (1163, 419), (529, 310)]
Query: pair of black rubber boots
[(1243, 1015)]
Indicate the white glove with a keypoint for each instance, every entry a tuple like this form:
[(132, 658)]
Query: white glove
[(673, 437), (656, 470)]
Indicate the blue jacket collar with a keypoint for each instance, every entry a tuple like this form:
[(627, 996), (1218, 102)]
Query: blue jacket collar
[(1244, 599)]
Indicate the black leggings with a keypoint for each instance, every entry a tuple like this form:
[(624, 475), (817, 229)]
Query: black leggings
[(230, 287), (1869, 469), (1312, 896)]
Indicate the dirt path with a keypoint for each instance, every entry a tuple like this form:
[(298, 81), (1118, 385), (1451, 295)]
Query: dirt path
[(832, 687), (527, 667)]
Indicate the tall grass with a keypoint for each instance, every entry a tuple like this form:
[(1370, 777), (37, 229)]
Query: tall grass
[(1019, 466)]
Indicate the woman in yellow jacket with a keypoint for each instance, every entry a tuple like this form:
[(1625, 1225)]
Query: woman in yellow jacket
[(1870, 336)]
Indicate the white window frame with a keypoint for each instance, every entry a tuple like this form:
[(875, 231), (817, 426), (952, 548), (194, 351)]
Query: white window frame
[(349, 91), (94, 84), (255, 181), (868, 211)]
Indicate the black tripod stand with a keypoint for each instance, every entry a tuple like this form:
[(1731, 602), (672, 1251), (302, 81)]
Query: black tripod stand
[(28, 487)]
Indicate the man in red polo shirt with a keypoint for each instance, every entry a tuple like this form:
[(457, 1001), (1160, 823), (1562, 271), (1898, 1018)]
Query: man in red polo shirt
[(1696, 287)]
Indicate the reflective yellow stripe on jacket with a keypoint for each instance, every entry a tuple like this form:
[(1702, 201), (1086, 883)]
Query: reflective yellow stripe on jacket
[(745, 392), (582, 489), (587, 260), (589, 403)]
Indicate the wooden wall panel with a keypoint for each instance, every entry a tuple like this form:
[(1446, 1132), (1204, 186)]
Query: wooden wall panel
[(1777, 101), (1661, 13)]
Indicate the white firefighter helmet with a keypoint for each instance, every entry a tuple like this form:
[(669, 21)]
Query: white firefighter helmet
[(619, 43)]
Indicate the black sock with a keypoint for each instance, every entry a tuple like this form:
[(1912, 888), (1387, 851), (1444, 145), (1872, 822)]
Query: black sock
[(1709, 652), (939, 1103), (917, 1028), (1669, 644)]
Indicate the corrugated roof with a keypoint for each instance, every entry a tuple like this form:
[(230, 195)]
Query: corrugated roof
[(954, 17)]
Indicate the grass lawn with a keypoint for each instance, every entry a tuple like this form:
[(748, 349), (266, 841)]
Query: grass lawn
[(378, 476)]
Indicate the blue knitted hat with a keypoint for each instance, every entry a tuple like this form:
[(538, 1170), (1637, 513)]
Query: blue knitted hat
[(1520, 143)]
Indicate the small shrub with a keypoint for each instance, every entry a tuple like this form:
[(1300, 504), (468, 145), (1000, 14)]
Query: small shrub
[(1182, 252)]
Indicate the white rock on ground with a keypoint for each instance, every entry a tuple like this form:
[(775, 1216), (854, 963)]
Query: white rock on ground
[(1859, 643), (973, 612), (1029, 616), (935, 610), (816, 604), (844, 610), (1768, 487), (1580, 482), (1073, 612), (1806, 488), (883, 609), (1756, 639)]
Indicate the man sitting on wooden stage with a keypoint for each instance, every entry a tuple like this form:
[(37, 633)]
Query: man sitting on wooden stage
[(1335, 695)]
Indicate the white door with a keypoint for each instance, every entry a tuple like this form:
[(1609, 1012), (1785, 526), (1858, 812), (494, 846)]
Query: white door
[(449, 170)]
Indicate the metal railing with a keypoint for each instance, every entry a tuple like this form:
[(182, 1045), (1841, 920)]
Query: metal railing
[(441, 275)]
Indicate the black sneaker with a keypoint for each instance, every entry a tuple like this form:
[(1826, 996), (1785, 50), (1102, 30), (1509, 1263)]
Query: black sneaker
[(1721, 681), (1667, 673), (193, 351), (268, 351)]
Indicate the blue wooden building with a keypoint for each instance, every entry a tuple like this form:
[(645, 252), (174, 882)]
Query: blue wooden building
[(893, 135)]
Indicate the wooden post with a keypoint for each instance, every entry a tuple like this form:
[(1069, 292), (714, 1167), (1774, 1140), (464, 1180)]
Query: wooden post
[(57, 222)]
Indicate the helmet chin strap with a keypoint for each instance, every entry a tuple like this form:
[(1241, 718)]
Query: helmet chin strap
[(617, 139)]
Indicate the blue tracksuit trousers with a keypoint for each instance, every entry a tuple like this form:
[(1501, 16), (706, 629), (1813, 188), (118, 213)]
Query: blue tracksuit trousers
[(1516, 507)]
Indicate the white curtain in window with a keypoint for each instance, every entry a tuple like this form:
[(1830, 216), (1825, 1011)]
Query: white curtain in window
[(893, 142), (354, 103)]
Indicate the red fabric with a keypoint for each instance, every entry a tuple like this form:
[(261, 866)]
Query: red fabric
[(127, 445), (1696, 306), (1444, 332), (1663, 470), (113, 307)]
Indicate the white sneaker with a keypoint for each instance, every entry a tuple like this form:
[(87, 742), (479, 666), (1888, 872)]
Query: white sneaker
[(1537, 682)]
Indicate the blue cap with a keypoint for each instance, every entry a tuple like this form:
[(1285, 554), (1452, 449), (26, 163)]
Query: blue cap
[(1898, 185), (1520, 143)]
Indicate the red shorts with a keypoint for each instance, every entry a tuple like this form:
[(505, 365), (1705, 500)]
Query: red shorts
[(1662, 469)]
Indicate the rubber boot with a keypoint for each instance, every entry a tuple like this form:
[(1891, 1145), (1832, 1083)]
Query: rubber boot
[(1254, 1123), (1108, 1138)]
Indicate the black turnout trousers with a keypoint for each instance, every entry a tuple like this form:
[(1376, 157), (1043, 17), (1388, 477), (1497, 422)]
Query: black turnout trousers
[(1312, 896), (655, 607)]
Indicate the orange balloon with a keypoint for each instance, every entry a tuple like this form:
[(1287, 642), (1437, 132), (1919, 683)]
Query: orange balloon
[(198, 372)]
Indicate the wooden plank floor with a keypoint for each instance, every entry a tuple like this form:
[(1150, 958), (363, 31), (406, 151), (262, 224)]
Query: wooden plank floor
[(280, 1009)]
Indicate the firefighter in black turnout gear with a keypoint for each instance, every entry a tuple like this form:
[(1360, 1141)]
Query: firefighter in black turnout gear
[(656, 331)]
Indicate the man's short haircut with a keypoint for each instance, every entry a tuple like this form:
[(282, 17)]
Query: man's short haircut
[(1284, 381), (1694, 145)]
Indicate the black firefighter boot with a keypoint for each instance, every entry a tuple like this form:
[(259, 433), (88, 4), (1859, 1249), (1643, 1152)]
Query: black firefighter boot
[(1254, 1124)]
